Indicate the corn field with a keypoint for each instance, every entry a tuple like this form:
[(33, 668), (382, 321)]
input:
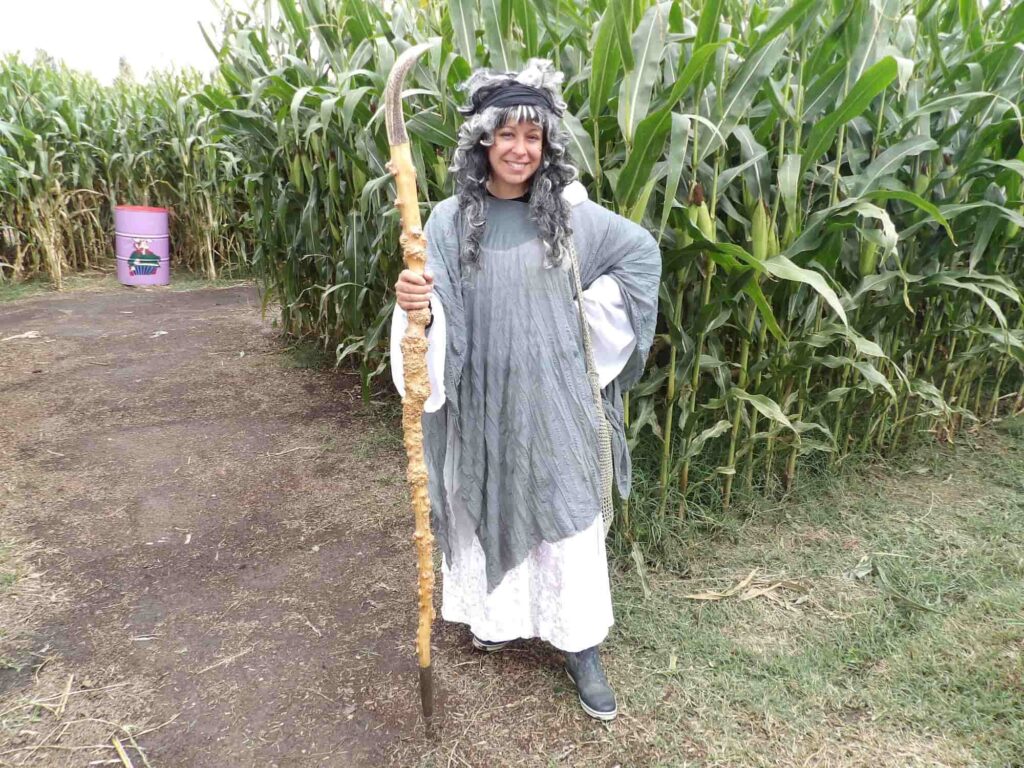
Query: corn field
[(836, 188), (71, 149)]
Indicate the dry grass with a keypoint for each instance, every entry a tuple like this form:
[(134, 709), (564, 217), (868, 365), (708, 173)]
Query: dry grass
[(26, 593), (95, 280), (52, 715)]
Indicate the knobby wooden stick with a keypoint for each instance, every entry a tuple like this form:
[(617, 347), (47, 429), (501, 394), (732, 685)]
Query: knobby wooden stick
[(414, 354)]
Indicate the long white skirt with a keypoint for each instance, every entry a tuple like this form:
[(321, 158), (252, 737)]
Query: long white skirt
[(559, 593)]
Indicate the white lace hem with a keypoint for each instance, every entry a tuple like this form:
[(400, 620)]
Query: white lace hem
[(560, 593)]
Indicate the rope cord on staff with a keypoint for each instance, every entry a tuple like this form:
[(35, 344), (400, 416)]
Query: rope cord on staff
[(604, 435)]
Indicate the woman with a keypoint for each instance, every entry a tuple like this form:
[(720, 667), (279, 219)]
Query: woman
[(511, 426)]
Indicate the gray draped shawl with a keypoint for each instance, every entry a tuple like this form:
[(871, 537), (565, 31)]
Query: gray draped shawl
[(524, 482)]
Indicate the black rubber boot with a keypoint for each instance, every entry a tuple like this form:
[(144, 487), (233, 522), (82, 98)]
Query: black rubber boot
[(596, 696)]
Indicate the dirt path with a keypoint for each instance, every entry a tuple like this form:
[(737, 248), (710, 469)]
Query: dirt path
[(205, 555), (213, 543)]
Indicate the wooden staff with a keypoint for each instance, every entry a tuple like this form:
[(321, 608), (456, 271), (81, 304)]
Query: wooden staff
[(414, 352)]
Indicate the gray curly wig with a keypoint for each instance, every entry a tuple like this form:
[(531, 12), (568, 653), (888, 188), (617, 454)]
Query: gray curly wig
[(471, 169)]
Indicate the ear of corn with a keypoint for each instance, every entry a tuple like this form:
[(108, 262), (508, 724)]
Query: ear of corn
[(868, 258)]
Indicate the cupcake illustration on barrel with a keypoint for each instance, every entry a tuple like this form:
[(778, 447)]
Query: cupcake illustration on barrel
[(142, 261)]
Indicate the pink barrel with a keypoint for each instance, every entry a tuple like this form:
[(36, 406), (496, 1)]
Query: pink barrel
[(142, 243)]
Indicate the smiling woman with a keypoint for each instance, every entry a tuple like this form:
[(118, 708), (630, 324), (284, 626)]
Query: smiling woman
[(538, 332), (514, 157)]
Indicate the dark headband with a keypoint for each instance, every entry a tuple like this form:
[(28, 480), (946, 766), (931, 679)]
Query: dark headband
[(512, 94)]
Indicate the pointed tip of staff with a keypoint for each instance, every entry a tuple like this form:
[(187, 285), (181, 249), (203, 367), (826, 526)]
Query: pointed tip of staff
[(427, 698), (393, 90), (427, 693)]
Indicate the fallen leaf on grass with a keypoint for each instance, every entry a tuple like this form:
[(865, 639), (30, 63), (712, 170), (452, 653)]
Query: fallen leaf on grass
[(864, 568), (765, 590), (728, 593), (641, 570), (775, 592), (769, 588)]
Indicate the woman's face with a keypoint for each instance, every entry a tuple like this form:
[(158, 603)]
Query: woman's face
[(515, 154)]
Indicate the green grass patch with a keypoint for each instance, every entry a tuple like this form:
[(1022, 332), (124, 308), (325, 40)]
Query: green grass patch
[(385, 436), (97, 280), (876, 617), (15, 291), (86, 281), (303, 354), (377, 442)]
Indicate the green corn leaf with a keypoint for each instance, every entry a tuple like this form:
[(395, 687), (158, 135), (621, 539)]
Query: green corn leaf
[(526, 19), (679, 138), (622, 19), (753, 290), (742, 90), (581, 147), (696, 70), (639, 207), (872, 375), (889, 162), (648, 46), (432, 129), (296, 20), (917, 201), (606, 62), (300, 94), (764, 405), (353, 99), (646, 151), (707, 25), (875, 80), (463, 17), (497, 37), (784, 269), (952, 282), (792, 15), (789, 180)]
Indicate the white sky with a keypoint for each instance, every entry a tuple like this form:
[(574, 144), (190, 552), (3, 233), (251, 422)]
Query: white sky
[(92, 35)]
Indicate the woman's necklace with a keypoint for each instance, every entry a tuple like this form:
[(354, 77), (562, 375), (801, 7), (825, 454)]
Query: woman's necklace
[(523, 198)]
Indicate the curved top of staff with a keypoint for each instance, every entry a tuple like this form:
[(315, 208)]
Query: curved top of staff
[(393, 91)]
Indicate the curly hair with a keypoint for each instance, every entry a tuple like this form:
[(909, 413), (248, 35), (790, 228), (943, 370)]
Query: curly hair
[(470, 167)]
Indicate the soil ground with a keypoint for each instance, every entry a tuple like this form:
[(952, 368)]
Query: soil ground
[(205, 556), (218, 554)]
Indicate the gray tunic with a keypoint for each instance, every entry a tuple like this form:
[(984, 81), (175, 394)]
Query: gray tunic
[(518, 401)]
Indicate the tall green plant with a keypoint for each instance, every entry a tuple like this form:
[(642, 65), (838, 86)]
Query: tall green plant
[(836, 189), (72, 149)]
